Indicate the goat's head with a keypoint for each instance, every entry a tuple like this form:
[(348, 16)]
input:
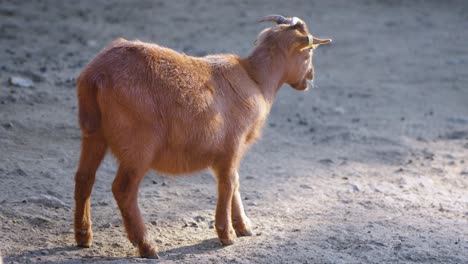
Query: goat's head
[(296, 44)]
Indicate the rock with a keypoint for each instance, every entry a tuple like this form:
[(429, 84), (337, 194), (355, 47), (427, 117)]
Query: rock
[(454, 135), (20, 81), (48, 201), (355, 187), (326, 161), (306, 186), (199, 218), (91, 43), (44, 252), (302, 122), (7, 125), (20, 172), (190, 224), (107, 225), (464, 172)]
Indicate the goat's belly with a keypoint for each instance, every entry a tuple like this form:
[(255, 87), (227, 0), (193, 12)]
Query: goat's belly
[(181, 162)]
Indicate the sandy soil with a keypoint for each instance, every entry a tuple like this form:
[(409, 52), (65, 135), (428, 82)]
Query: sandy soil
[(370, 167)]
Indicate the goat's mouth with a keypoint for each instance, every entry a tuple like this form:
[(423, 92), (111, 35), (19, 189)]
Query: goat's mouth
[(300, 86), (304, 84)]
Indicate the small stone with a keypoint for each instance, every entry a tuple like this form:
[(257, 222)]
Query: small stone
[(20, 172), (199, 218), (44, 252), (326, 161), (7, 125), (306, 186), (355, 187), (303, 122), (190, 224), (163, 183), (21, 81), (107, 225), (48, 201), (91, 43)]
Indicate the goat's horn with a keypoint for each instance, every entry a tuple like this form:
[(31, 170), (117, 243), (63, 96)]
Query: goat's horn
[(277, 19)]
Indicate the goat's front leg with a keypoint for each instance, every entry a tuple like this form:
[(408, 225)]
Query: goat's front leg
[(240, 221), (228, 182)]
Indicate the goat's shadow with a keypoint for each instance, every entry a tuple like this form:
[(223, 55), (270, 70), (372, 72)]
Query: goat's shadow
[(207, 245), (177, 253)]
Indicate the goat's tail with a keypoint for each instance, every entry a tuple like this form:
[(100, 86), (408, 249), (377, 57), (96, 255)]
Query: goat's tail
[(89, 114)]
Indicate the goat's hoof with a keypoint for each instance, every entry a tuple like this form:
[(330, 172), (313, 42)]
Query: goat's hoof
[(147, 251), (243, 229), (227, 241), (84, 238), (227, 237)]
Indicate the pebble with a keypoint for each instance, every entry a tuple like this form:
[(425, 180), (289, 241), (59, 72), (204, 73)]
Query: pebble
[(326, 161), (306, 186), (48, 201), (107, 225), (199, 218), (20, 172), (7, 125), (20, 81), (454, 135), (355, 187)]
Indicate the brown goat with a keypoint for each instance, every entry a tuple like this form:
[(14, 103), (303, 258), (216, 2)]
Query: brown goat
[(157, 109)]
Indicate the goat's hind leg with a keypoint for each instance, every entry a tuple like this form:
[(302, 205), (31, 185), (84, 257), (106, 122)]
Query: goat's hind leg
[(125, 190), (93, 150)]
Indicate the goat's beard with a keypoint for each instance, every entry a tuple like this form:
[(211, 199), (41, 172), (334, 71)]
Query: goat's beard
[(311, 84)]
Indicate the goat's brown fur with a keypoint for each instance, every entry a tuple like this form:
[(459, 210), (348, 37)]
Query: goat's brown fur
[(157, 109)]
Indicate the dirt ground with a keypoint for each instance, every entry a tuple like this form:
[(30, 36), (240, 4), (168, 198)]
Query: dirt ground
[(369, 167)]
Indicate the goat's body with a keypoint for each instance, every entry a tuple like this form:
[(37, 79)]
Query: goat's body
[(171, 116), (155, 108)]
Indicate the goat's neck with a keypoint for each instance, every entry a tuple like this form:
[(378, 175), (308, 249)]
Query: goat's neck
[(267, 71)]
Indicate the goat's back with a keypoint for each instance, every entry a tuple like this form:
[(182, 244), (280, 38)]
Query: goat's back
[(168, 109)]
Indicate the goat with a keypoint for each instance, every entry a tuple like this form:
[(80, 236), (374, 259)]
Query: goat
[(155, 108)]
